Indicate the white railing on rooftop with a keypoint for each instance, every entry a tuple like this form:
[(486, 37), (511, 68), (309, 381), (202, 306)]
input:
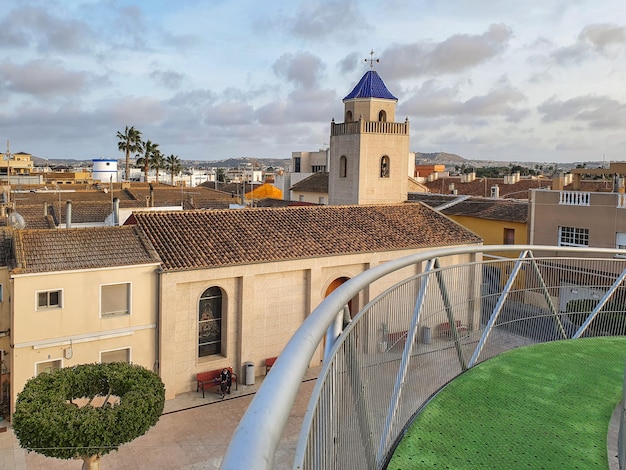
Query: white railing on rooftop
[(574, 198), (408, 342)]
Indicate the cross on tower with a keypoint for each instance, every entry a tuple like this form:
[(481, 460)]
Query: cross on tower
[(371, 60)]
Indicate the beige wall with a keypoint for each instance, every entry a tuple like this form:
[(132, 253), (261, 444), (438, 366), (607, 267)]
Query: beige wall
[(307, 196), (41, 335), (308, 160), (363, 183), (602, 217), (369, 108), (263, 306)]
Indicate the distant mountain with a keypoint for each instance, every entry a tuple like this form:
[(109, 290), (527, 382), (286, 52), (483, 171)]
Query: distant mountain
[(227, 163), (439, 157)]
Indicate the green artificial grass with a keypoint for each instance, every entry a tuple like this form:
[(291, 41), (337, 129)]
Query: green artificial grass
[(542, 407)]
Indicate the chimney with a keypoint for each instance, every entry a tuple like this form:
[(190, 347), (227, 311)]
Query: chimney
[(68, 214), (116, 211), (45, 209)]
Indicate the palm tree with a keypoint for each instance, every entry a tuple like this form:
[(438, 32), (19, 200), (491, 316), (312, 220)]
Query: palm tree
[(173, 165), (144, 162), (129, 142), (157, 162)]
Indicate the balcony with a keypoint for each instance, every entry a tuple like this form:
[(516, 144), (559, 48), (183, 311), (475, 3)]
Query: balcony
[(381, 367), (369, 127)]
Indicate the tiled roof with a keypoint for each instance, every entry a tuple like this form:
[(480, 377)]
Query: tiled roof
[(482, 186), (268, 202), (206, 239), (510, 210), (6, 241), (82, 211), (55, 250), (370, 86), (316, 183), (34, 217)]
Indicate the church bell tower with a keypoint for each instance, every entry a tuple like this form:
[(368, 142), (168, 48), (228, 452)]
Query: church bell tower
[(369, 152)]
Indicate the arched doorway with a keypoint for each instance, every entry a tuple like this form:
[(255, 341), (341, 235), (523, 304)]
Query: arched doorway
[(336, 283)]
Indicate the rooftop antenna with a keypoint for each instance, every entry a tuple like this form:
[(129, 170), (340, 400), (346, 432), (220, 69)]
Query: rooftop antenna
[(371, 60)]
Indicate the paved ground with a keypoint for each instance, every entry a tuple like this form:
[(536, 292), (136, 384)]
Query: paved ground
[(193, 433)]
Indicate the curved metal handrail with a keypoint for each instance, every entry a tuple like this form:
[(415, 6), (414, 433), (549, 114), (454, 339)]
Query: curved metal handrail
[(256, 438)]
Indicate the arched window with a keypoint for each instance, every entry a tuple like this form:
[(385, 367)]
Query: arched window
[(348, 116), (343, 166), (210, 322), (382, 116), (384, 167)]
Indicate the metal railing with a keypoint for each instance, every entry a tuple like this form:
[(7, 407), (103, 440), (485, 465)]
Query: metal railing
[(416, 336)]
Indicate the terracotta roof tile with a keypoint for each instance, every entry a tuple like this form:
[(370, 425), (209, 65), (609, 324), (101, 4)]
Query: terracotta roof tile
[(316, 183), (81, 248), (482, 186), (205, 239), (511, 210)]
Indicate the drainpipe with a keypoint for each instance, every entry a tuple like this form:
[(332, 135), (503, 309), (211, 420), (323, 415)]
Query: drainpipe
[(157, 339), (68, 214)]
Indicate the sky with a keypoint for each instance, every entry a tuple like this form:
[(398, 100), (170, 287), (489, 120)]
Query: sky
[(541, 81)]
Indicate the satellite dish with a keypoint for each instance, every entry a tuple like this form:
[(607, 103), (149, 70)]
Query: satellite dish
[(16, 220)]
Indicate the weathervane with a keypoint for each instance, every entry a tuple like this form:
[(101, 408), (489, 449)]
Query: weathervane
[(371, 60)]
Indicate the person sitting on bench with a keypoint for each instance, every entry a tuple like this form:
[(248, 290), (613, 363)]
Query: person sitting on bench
[(226, 381)]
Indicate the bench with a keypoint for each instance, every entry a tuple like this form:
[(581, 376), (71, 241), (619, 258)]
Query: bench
[(446, 331), (395, 338), (269, 362), (206, 380)]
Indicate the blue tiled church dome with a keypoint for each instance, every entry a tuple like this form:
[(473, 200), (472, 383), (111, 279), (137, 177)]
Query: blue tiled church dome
[(370, 86)]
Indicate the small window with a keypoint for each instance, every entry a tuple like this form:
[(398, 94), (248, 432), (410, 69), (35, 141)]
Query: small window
[(343, 166), (348, 116), (573, 236), (115, 299), (118, 355), (384, 167), (297, 163), (47, 366), (509, 236), (382, 116), (49, 299)]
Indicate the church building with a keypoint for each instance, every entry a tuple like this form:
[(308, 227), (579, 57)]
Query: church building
[(369, 151)]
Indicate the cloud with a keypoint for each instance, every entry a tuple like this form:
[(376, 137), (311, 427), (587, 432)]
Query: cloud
[(596, 39), (42, 79), (318, 21), (26, 26), (453, 55), (168, 78), (303, 69), (597, 112), (349, 63), (302, 106), (601, 36), (434, 101), (321, 19)]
